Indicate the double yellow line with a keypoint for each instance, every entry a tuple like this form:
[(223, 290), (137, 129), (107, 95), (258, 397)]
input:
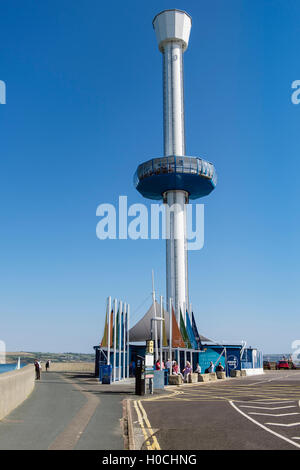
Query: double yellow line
[(146, 427)]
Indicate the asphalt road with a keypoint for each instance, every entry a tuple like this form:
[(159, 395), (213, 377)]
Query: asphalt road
[(67, 411), (251, 413)]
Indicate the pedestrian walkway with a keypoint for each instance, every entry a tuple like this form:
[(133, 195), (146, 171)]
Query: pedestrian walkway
[(67, 411)]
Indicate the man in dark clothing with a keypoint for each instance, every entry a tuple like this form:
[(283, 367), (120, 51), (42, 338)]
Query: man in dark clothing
[(37, 370)]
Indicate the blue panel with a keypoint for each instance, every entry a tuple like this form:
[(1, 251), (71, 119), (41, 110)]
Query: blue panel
[(158, 379), (197, 186)]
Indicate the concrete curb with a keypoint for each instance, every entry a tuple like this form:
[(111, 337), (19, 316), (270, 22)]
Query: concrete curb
[(128, 418)]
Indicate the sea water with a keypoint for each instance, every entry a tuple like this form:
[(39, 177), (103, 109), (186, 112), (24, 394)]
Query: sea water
[(9, 367)]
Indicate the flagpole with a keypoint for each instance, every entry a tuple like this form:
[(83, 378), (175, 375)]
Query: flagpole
[(170, 332), (115, 336), (155, 324), (120, 334), (128, 315), (108, 334), (124, 338)]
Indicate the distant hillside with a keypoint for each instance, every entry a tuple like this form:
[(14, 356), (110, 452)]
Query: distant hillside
[(29, 357)]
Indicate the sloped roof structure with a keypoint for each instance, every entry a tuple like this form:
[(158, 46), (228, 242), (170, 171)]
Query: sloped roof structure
[(141, 331)]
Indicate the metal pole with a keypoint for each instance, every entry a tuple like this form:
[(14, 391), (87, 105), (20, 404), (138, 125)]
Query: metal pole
[(161, 332), (155, 324), (108, 334), (174, 144), (128, 318), (170, 332), (120, 333), (115, 338), (124, 338)]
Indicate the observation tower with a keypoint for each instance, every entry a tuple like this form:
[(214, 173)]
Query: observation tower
[(175, 178)]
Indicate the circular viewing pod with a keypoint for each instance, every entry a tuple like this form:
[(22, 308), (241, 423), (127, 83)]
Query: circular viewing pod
[(191, 174)]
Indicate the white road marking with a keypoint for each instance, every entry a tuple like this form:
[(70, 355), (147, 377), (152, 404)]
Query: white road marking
[(282, 402), (264, 402), (295, 437), (267, 407), (264, 427), (282, 424), (272, 414)]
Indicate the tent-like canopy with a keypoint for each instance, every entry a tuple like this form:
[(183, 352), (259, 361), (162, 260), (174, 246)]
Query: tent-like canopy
[(141, 331)]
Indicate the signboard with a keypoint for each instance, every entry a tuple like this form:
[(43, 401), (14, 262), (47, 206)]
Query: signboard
[(233, 359), (149, 346), (149, 360)]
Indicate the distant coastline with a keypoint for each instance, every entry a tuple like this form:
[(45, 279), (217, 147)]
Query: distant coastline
[(29, 357)]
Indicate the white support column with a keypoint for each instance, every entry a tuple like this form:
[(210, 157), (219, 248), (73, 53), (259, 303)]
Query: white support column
[(128, 322), (170, 332), (115, 339), (161, 332), (155, 322), (124, 339), (176, 245), (109, 329), (120, 337)]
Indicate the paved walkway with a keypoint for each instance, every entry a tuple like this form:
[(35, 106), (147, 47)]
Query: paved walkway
[(67, 411)]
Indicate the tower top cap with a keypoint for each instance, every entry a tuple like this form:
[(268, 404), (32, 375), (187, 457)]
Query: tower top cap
[(172, 25)]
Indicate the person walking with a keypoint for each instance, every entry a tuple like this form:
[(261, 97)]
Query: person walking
[(47, 365), (37, 370)]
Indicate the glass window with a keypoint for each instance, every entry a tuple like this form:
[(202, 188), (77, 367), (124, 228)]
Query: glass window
[(179, 165), (187, 165), (171, 164), (193, 165)]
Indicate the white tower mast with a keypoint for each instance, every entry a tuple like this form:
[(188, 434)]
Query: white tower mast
[(172, 28)]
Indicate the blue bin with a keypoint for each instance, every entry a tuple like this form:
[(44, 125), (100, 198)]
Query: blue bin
[(105, 374), (158, 379)]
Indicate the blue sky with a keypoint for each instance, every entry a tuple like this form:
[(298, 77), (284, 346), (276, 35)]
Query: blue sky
[(84, 108)]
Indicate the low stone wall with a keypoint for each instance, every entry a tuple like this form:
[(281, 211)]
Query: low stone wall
[(15, 387), (254, 371), (235, 373), (212, 376), (70, 367), (221, 374), (192, 378), (175, 380), (203, 377)]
